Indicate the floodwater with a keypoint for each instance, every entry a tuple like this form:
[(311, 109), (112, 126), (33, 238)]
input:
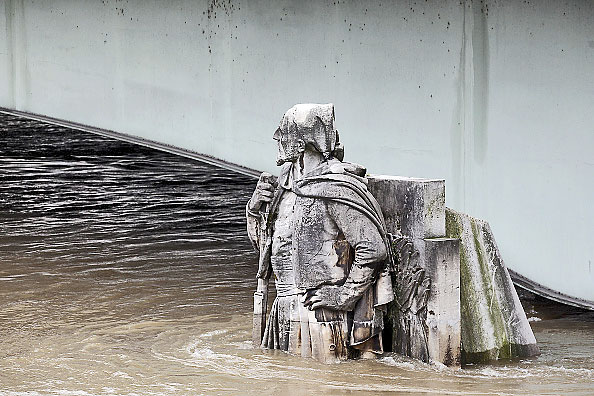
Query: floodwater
[(127, 271)]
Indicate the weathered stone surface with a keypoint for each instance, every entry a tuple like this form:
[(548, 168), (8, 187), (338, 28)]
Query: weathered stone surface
[(425, 317), (442, 265), (416, 207), (407, 315), (321, 233), (494, 324)]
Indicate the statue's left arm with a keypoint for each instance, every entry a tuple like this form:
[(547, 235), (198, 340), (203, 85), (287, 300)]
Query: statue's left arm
[(253, 220), (262, 195), (370, 254)]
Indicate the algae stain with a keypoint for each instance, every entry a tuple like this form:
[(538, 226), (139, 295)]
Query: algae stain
[(495, 312), (468, 311), (475, 336), (453, 229), (480, 83)]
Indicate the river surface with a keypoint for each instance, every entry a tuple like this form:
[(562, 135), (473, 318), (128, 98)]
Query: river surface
[(127, 271)]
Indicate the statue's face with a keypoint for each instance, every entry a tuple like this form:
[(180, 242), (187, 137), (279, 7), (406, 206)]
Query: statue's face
[(290, 147)]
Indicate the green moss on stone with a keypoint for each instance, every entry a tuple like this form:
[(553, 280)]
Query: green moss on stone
[(474, 338), (453, 227), (488, 288), (468, 312)]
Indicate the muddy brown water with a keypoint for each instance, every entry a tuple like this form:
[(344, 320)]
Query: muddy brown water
[(127, 271)]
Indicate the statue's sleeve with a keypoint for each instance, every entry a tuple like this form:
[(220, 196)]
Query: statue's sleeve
[(253, 227), (370, 249)]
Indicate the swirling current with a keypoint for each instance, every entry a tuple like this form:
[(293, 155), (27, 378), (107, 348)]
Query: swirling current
[(127, 271)]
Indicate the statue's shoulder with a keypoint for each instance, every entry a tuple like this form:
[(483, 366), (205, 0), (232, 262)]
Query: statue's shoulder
[(347, 168), (334, 179), (349, 172)]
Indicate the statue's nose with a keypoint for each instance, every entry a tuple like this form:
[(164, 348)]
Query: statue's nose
[(276, 135)]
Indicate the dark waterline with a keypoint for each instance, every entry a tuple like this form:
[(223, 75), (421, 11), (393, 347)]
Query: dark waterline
[(125, 270)]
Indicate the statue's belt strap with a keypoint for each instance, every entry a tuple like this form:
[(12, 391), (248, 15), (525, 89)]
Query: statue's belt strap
[(284, 290)]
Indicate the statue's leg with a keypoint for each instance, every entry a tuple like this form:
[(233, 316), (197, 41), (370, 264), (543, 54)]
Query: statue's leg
[(295, 343), (328, 332), (304, 331)]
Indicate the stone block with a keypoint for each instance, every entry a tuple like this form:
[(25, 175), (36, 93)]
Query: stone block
[(416, 207), (442, 266), (425, 316), (494, 324)]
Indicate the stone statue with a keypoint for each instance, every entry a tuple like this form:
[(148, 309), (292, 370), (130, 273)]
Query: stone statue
[(322, 235)]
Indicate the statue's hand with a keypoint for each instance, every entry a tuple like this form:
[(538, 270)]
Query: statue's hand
[(263, 192), (332, 297)]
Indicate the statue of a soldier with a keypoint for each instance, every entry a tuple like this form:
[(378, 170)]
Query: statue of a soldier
[(322, 235)]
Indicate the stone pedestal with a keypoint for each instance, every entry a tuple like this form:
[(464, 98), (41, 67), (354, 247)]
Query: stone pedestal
[(455, 301), (442, 263), (425, 316), (415, 207)]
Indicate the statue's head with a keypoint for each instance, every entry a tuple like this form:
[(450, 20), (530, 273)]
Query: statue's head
[(307, 127)]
